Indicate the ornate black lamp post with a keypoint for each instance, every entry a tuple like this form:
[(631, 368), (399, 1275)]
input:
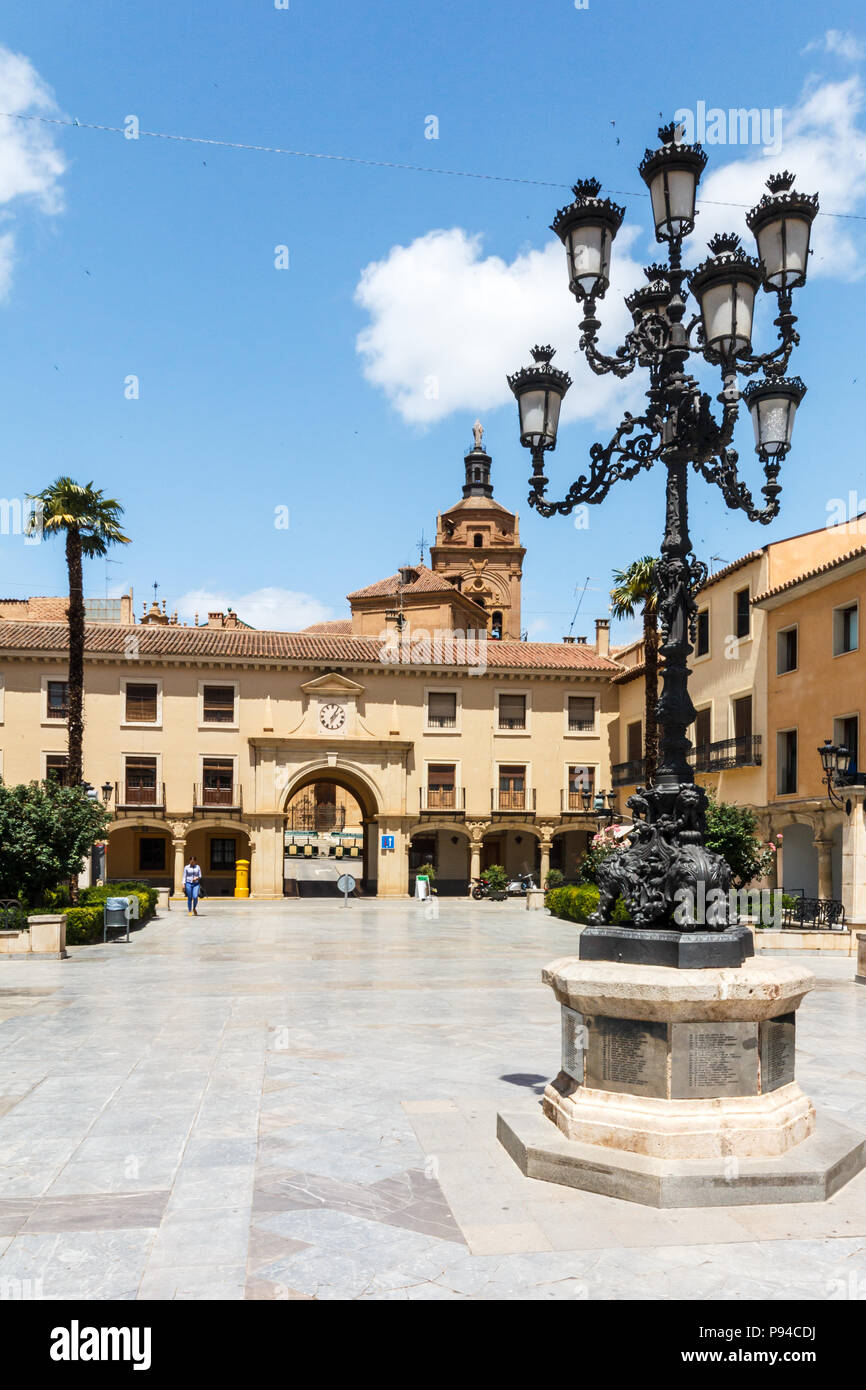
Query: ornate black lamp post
[(836, 763), (661, 873)]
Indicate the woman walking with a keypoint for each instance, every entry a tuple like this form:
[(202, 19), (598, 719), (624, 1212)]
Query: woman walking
[(192, 885)]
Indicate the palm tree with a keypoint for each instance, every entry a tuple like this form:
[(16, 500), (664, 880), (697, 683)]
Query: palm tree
[(91, 522), (635, 586)]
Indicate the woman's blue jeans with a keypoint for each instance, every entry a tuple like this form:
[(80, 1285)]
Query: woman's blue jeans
[(192, 892)]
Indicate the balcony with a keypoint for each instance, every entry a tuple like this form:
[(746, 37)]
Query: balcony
[(511, 801), (441, 721), (727, 753), (443, 800), (206, 798), (571, 803), (628, 774), (135, 798), (516, 721)]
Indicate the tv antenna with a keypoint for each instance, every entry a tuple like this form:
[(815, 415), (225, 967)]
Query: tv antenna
[(422, 546), (579, 602)]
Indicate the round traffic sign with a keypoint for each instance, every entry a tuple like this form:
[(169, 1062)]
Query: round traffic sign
[(346, 883)]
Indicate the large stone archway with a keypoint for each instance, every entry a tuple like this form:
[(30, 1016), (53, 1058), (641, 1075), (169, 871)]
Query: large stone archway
[(319, 877)]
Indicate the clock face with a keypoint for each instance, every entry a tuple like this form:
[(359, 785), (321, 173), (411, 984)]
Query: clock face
[(332, 716)]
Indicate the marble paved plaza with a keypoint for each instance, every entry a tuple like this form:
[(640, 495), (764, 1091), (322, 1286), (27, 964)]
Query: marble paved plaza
[(283, 1101)]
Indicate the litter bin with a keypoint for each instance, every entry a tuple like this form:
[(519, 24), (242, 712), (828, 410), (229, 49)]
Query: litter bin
[(116, 915)]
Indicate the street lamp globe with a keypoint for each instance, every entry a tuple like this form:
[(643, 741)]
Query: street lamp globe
[(725, 286), (586, 229), (773, 406), (782, 225), (539, 391), (672, 174)]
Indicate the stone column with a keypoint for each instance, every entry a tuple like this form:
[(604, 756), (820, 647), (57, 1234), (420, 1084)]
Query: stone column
[(393, 877), (475, 859), (266, 847), (546, 846), (825, 867), (179, 847), (854, 860)]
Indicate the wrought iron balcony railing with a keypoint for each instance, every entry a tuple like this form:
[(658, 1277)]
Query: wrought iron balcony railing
[(512, 800), (128, 797), (572, 803), (727, 753), (224, 798), (451, 799), (624, 774)]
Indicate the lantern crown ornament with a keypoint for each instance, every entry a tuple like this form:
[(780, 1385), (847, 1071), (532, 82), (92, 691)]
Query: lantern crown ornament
[(705, 314)]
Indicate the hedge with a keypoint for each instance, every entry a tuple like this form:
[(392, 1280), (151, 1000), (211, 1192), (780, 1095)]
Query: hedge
[(577, 904)]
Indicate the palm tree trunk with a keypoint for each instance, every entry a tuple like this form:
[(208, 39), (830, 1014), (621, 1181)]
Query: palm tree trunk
[(75, 615), (651, 691)]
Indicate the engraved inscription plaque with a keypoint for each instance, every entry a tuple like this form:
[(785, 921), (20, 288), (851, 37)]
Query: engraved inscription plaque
[(777, 1052), (713, 1059), (627, 1056), (573, 1043)]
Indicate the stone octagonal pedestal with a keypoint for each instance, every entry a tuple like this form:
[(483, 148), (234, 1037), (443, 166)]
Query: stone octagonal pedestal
[(677, 1088)]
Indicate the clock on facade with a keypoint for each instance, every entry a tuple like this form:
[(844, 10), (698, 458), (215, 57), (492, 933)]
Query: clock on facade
[(332, 716)]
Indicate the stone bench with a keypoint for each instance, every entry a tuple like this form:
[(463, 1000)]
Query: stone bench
[(44, 938)]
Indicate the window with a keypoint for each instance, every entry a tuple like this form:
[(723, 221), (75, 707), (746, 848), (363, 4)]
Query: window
[(786, 762), (56, 765), (634, 742), (218, 704), (442, 709), (512, 711), (846, 733), (786, 651), (702, 646), (512, 788), (845, 638), (151, 853), (218, 775), (57, 700), (222, 853), (141, 782), (496, 627), (743, 718), (581, 714), (141, 703), (580, 780), (441, 786), (477, 541), (742, 613), (703, 727)]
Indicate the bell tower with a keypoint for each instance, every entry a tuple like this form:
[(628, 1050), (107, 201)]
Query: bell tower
[(478, 546)]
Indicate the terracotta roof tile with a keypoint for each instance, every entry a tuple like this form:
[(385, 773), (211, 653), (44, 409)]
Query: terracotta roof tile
[(242, 644), (427, 582), (336, 626)]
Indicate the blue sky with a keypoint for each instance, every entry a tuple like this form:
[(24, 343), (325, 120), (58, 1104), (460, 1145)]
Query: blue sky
[(155, 259)]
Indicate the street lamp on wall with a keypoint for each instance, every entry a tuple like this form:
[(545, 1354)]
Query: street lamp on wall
[(835, 761), (106, 792)]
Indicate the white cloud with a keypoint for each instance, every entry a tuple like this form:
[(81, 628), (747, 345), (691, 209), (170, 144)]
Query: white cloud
[(31, 165), (839, 42), (270, 608), (448, 323)]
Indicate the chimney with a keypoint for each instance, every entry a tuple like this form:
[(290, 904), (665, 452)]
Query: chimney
[(215, 620), (602, 636), (568, 639), (581, 641)]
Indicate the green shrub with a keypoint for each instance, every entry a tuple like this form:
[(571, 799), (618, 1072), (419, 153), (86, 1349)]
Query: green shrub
[(497, 878), (554, 878), (577, 904), (83, 925), (147, 896)]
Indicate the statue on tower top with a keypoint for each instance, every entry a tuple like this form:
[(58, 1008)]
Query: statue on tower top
[(478, 433)]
